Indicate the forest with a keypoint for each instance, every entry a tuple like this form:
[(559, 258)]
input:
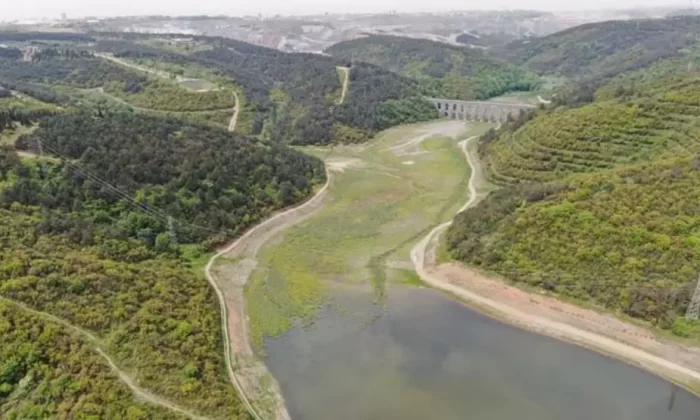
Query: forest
[(442, 70), (625, 239), (40, 359), (85, 236), (81, 70), (599, 51), (292, 98), (628, 124), (213, 183), (155, 318), (598, 198)]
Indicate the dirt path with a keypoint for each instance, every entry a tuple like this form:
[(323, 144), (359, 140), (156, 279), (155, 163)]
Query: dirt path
[(543, 101), (134, 66), (229, 279), (442, 128), (346, 83), (128, 380), (678, 364), (234, 118)]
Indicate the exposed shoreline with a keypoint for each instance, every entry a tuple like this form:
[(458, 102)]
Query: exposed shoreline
[(229, 278), (494, 298)]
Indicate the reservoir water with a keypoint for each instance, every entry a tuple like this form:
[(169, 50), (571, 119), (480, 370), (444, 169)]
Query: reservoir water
[(422, 355)]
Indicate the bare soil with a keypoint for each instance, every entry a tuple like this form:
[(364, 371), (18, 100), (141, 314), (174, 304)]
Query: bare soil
[(229, 271), (549, 316)]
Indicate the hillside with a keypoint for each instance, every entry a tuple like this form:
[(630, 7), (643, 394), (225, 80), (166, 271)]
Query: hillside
[(290, 98), (156, 319), (68, 370), (599, 198), (603, 50), (211, 181), (86, 237), (625, 239), (293, 98), (628, 124), (444, 70)]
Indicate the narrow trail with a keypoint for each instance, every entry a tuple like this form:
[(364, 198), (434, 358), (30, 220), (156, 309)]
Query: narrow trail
[(536, 323), (234, 118), (543, 101), (128, 380), (159, 73), (166, 75), (346, 83), (240, 242)]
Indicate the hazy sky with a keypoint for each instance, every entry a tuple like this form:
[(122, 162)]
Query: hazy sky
[(13, 9)]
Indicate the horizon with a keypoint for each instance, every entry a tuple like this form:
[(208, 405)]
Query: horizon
[(52, 11)]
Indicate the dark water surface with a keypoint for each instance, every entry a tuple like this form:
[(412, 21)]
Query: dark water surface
[(428, 357)]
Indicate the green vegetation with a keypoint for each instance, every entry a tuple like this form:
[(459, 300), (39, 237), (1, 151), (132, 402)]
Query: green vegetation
[(157, 320), (443, 70), (381, 203), (47, 371), (79, 69), (647, 122), (599, 199), (292, 98), (214, 183), (625, 239), (86, 238), (602, 50)]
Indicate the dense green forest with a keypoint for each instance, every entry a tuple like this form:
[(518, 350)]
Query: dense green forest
[(638, 123), (289, 98), (156, 319), (214, 183), (46, 371), (293, 98), (598, 51), (599, 193), (85, 237), (443, 70), (80, 69), (626, 239)]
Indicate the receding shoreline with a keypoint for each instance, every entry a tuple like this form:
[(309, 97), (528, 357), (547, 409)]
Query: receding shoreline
[(423, 256)]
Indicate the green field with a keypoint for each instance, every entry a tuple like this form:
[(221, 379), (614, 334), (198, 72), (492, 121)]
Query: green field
[(381, 203)]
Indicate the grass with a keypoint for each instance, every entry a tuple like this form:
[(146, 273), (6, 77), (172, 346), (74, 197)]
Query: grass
[(375, 212), (197, 85), (406, 278), (25, 102), (193, 256), (9, 137)]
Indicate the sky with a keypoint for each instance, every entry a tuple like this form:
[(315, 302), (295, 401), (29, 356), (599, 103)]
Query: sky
[(26, 9)]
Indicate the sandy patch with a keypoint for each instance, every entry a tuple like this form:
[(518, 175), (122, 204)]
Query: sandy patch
[(340, 165), (408, 162)]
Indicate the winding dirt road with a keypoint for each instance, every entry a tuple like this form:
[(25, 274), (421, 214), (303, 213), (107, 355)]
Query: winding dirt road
[(139, 392), (229, 283), (346, 83), (428, 272), (159, 73), (234, 118)]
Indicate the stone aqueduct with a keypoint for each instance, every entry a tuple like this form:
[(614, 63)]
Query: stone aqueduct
[(477, 110)]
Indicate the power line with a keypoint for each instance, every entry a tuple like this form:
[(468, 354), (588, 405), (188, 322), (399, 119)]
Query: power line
[(146, 208)]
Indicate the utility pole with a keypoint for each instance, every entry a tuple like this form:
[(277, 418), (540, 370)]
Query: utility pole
[(173, 234), (693, 312)]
